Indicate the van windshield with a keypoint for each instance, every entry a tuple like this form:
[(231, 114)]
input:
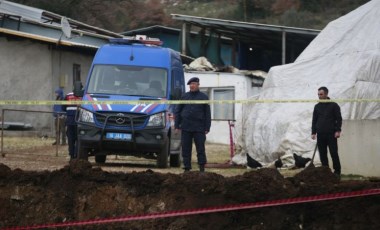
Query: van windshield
[(128, 80)]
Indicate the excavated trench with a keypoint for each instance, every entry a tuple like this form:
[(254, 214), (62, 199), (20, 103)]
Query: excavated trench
[(82, 192)]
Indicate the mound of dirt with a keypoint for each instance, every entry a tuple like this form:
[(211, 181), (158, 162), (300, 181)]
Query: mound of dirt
[(81, 192)]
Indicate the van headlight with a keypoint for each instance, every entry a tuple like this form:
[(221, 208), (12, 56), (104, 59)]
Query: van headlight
[(85, 116), (157, 120)]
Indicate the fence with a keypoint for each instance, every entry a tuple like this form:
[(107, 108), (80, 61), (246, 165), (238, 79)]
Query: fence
[(3, 124)]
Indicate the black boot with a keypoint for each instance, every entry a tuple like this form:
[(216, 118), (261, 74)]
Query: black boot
[(201, 168), (337, 174)]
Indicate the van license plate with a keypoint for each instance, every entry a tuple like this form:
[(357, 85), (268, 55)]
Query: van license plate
[(119, 136)]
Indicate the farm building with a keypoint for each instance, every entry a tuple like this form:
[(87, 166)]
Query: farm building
[(38, 54), (226, 86)]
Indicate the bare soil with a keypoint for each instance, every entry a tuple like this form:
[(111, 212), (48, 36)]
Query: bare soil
[(38, 187)]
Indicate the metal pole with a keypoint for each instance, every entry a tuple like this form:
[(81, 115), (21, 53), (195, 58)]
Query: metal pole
[(233, 53), (57, 135), (231, 124), (184, 34), (2, 132), (283, 47)]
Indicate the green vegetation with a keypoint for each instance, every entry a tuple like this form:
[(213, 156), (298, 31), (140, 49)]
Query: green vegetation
[(123, 15)]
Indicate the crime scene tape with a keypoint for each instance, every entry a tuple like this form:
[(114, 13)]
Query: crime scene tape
[(226, 208), (137, 102)]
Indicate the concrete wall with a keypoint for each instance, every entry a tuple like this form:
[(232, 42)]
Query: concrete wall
[(62, 66), (31, 71), (359, 147), (242, 85)]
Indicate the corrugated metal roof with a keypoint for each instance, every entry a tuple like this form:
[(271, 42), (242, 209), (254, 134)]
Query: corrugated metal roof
[(239, 25), (43, 17), (261, 34), (160, 28), (28, 12), (150, 28), (29, 22), (270, 40), (46, 39)]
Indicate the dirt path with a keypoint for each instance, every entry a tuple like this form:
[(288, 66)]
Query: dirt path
[(35, 154)]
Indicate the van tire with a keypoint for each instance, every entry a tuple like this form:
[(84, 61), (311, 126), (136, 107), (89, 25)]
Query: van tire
[(175, 160), (82, 152), (100, 158), (162, 158)]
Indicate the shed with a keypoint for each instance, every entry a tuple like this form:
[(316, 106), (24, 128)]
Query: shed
[(253, 46), (226, 86), (36, 57), (244, 45)]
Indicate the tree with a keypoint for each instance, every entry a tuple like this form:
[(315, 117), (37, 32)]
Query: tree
[(248, 10), (281, 6), (154, 16)]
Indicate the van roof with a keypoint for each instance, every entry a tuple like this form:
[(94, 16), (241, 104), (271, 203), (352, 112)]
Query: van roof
[(142, 39), (135, 55)]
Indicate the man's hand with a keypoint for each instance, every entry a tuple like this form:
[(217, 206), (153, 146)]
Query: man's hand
[(337, 134), (177, 131), (313, 136), (206, 132)]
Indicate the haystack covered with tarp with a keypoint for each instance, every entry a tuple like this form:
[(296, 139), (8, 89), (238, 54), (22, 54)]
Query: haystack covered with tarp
[(344, 57)]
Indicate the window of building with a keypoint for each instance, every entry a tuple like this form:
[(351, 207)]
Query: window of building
[(223, 111), (76, 72)]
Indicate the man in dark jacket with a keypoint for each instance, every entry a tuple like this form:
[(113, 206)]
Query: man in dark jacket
[(71, 124), (59, 119), (326, 127), (194, 121)]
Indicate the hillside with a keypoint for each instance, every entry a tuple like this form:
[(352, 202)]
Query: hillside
[(123, 15)]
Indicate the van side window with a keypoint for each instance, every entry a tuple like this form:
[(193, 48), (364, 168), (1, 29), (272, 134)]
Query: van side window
[(178, 84)]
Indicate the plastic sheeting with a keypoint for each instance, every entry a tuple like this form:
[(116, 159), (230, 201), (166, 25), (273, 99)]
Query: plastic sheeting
[(344, 57), (200, 64)]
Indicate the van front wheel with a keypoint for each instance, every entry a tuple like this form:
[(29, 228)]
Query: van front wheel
[(82, 152), (100, 159), (162, 158), (175, 160)]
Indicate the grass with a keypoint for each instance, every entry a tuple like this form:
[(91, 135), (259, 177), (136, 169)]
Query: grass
[(19, 143)]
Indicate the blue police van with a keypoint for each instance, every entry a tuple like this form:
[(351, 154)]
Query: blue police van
[(131, 70)]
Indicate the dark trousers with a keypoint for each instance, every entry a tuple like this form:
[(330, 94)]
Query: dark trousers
[(71, 132), (187, 146), (324, 140)]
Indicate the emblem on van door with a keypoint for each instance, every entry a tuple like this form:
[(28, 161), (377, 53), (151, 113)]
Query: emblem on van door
[(121, 119)]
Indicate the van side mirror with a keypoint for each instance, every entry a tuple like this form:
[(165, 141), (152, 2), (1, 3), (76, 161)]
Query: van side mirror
[(78, 89), (177, 94)]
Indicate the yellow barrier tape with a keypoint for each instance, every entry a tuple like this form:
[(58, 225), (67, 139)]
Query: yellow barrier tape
[(137, 102)]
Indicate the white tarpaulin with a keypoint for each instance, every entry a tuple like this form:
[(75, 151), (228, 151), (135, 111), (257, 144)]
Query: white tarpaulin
[(344, 57)]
